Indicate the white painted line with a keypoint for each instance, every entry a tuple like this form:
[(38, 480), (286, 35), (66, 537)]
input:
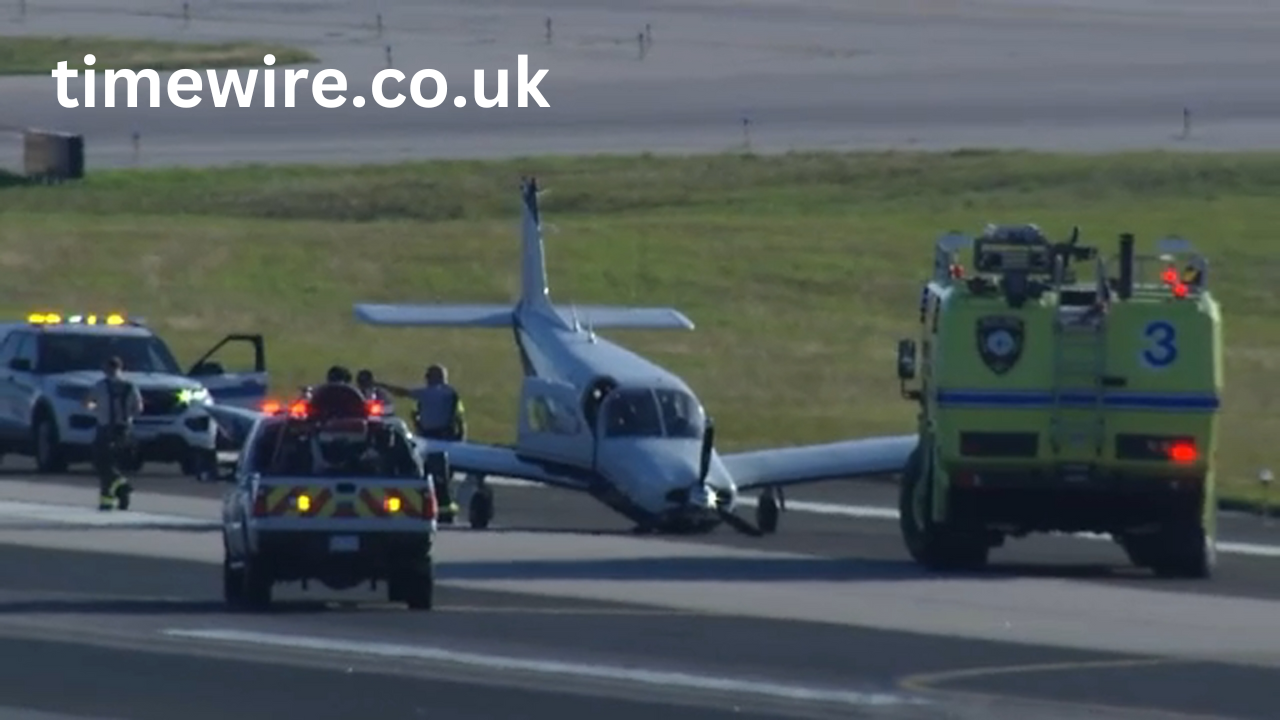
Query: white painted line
[(635, 676), (866, 512), (13, 512)]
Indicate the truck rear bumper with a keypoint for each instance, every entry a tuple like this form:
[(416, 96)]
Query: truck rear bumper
[(1067, 499), (340, 560)]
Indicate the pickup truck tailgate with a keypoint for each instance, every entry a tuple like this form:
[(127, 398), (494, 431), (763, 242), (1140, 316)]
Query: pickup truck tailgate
[(364, 504)]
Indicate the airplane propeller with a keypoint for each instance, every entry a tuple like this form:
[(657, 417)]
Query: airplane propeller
[(704, 469)]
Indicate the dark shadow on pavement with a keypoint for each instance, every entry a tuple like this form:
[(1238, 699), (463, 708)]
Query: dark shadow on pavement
[(146, 606), (721, 569)]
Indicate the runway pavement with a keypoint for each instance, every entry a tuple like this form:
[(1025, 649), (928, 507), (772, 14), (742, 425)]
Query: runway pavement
[(51, 597), (60, 610), (817, 74)]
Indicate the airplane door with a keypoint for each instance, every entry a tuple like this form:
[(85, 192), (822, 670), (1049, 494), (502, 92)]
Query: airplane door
[(234, 378), (551, 423)]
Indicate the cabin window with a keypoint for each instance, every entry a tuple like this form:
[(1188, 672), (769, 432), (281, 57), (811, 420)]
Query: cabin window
[(632, 413), (549, 415)]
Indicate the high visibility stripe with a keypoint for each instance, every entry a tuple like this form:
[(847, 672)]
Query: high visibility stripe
[(369, 502)]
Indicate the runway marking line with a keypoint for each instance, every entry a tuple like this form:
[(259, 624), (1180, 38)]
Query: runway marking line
[(628, 675), (563, 610), (929, 684)]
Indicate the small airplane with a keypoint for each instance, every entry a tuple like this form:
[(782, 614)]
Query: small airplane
[(599, 419)]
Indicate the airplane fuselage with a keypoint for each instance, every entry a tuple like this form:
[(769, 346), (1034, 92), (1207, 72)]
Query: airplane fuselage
[(651, 474)]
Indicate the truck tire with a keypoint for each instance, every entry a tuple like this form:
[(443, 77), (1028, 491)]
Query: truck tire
[(1182, 549), (934, 546), (46, 445), (415, 587), (257, 586), (232, 584)]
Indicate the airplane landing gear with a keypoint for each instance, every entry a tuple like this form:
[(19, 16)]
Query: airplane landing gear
[(768, 508), (480, 506)]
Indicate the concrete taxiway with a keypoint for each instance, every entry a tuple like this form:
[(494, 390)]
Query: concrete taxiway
[(838, 612), (819, 74)]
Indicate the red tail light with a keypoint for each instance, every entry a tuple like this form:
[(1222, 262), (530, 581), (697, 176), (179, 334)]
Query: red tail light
[(1183, 452), (260, 508), (375, 408)]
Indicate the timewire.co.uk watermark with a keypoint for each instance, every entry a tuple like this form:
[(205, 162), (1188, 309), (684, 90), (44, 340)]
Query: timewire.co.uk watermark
[(184, 87)]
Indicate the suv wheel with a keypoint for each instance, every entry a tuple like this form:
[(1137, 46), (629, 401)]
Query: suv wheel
[(47, 446)]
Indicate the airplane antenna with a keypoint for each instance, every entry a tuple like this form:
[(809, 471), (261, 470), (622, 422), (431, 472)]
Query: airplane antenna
[(573, 310)]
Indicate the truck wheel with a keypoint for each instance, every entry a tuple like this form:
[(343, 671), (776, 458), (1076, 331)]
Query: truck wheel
[(417, 587), (233, 584), (1183, 550), (1138, 548), (257, 585), (50, 456), (931, 545)]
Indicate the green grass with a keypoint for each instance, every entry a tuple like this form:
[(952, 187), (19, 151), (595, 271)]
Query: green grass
[(40, 55), (801, 271)]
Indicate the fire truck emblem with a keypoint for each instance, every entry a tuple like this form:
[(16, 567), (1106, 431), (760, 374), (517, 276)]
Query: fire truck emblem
[(1000, 341)]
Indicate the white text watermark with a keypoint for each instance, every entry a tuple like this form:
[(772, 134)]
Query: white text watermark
[(184, 87)]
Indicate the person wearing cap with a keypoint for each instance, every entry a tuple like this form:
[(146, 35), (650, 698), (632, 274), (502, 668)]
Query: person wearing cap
[(440, 416), (369, 388), (116, 402), (338, 374)]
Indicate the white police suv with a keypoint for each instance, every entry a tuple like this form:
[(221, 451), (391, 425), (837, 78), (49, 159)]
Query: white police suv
[(48, 364)]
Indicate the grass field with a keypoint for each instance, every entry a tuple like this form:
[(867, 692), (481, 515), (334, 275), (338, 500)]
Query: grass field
[(40, 55), (801, 271)]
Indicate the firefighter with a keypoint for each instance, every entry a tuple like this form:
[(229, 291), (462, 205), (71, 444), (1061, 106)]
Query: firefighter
[(440, 416), (116, 403)]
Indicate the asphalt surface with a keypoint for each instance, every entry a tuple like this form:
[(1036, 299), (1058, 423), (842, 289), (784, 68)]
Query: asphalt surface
[(875, 544), (136, 596), (819, 74), (53, 602)]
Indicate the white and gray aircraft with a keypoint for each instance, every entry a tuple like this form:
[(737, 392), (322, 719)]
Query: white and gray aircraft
[(599, 419)]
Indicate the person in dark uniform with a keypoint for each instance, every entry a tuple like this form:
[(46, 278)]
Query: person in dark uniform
[(441, 415), (366, 385), (115, 402)]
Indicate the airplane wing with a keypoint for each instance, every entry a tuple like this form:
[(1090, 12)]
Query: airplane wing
[(812, 463), (486, 316), (499, 461), (234, 422), (616, 317)]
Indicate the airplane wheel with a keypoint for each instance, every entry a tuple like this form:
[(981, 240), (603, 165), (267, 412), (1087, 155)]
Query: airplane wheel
[(767, 514), (480, 509)]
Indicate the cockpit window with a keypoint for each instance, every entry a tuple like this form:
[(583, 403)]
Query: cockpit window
[(682, 417), (652, 413), (631, 413)]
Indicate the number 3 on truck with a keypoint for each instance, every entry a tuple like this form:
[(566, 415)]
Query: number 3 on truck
[(1161, 344)]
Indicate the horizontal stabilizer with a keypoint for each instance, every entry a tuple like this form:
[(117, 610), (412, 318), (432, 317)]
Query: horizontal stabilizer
[(602, 317), (477, 316)]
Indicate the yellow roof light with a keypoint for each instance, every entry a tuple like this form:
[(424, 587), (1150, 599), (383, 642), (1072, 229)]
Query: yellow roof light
[(56, 319)]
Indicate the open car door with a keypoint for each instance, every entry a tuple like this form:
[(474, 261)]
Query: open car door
[(234, 378)]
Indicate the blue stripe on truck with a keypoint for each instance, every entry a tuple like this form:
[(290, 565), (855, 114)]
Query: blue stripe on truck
[(1036, 399)]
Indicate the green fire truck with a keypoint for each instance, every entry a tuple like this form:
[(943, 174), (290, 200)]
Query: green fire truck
[(1057, 398)]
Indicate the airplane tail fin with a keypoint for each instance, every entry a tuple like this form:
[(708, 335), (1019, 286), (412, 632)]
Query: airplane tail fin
[(534, 291), (535, 294)]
